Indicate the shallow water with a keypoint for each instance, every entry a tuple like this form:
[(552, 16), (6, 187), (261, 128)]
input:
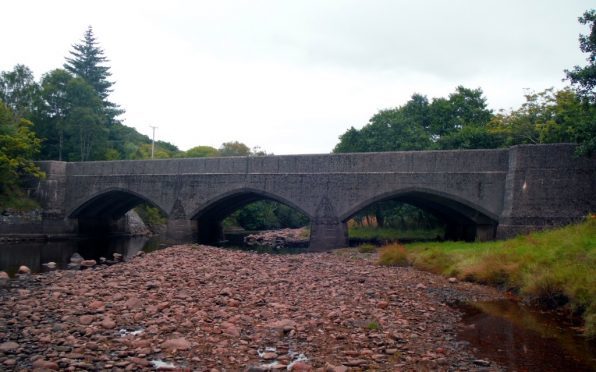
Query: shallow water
[(34, 254), (520, 338)]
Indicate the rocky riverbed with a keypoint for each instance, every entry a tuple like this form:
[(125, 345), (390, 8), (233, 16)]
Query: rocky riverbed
[(204, 308)]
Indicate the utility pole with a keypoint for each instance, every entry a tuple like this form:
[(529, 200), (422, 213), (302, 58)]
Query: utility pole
[(153, 141)]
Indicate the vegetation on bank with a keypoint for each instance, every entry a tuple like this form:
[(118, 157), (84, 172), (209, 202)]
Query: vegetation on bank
[(371, 233), (553, 268)]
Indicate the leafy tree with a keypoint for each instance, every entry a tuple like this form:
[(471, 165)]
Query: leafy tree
[(70, 116), (548, 117), (460, 121), (18, 145), (200, 152), (18, 90), (234, 148), (87, 61), (584, 78), (584, 81)]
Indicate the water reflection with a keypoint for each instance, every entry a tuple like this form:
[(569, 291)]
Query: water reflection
[(34, 254), (523, 339)]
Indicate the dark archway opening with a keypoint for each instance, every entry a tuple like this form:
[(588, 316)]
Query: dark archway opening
[(106, 214), (419, 215), (228, 220)]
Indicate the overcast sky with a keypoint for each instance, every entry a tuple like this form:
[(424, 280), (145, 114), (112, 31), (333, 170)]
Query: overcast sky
[(291, 76)]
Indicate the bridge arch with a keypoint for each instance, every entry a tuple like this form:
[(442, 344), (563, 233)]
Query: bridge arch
[(209, 215), (102, 211), (464, 220)]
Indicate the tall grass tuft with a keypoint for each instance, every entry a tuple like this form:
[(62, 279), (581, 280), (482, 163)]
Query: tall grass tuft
[(393, 255)]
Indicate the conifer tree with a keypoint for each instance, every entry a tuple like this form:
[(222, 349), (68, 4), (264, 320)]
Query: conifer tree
[(87, 61)]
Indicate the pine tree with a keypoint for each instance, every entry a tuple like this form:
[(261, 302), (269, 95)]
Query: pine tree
[(88, 62)]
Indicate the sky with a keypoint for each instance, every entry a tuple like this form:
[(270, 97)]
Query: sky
[(291, 76)]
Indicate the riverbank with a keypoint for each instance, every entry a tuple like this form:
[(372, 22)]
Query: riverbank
[(201, 307), (555, 269)]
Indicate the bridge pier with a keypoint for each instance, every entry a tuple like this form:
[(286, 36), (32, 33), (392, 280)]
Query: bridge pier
[(325, 236), (179, 231), (326, 229)]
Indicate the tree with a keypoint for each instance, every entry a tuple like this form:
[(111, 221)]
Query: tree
[(200, 152), (87, 61), (584, 78), (459, 122), (549, 117), (18, 146), (584, 81), (71, 118), (234, 148), (18, 90)]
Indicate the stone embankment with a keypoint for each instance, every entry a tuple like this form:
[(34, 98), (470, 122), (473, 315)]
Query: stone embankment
[(204, 308)]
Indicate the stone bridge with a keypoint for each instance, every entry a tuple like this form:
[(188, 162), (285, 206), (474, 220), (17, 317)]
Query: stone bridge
[(479, 194)]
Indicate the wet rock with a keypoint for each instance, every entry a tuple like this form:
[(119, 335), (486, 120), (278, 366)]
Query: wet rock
[(76, 258), (88, 263), (50, 265), (4, 278), (482, 363), (24, 270)]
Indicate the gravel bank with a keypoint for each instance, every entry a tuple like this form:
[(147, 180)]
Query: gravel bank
[(205, 308)]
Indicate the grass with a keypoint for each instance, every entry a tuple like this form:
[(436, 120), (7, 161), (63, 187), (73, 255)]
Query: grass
[(391, 234), (366, 248), (393, 255), (553, 268)]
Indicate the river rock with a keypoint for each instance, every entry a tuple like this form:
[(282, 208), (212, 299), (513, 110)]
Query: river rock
[(9, 346), (76, 258), (176, 344), (24, 270), (4, 278), (108, 323), (88, 263), (41, 364)]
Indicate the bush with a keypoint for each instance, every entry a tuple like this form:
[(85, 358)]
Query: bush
[(393, 255)]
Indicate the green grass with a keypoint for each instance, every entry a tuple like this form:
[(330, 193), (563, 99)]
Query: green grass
[(554, 268), (366, 248), (392, 234)]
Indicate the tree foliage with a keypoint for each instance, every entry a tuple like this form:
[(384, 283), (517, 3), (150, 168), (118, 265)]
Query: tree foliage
[(18, 146), (18, 90), (233, 148), (584, 78), (456, 122), (87, 61)]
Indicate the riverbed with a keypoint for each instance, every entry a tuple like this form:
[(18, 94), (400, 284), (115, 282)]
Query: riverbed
[(230, 307)]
